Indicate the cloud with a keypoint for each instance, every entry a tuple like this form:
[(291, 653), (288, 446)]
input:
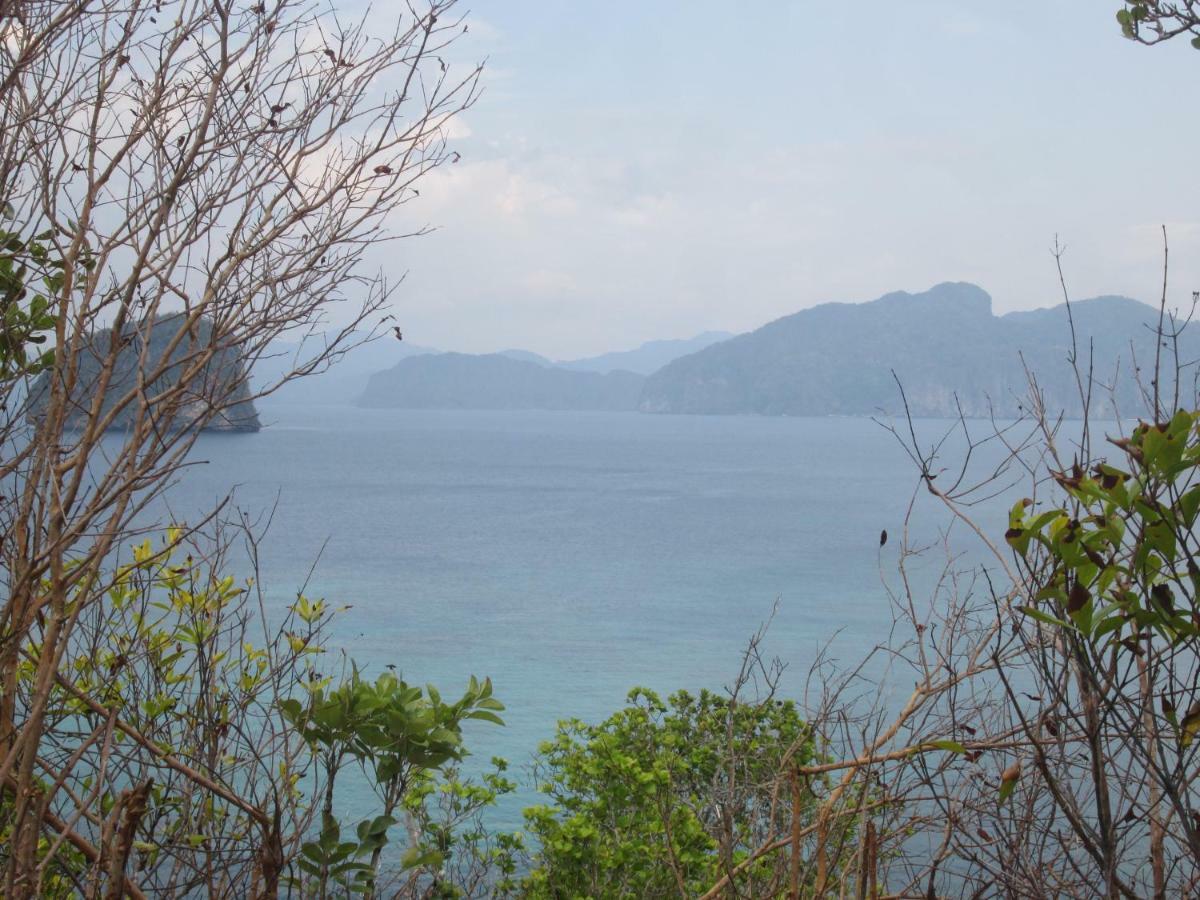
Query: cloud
[(548, 281), (960, 25), (454, 128), (484, 31), (469, 190), (606, 200)]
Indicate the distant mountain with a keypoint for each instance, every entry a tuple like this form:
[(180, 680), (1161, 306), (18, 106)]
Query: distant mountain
[(496, 381), (219, 394), (838, 358), (649, 357), (342, 382), (347, 379), (527, 356)]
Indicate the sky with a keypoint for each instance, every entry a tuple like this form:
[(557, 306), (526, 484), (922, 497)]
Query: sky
[(637, 171)]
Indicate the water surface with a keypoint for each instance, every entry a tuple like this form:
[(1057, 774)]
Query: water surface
[(571, 556)]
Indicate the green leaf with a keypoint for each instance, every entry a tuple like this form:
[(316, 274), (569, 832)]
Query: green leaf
[(1043, 617), (312, 851), (951, 746), (486, 716), (1190, 726), (1006, 789), (376, 827), (1008, 781), (420, 856)]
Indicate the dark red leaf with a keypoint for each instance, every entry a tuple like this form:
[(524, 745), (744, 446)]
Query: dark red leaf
[(1078, 598)]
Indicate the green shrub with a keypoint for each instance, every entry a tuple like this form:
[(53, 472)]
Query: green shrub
[(661, 798)]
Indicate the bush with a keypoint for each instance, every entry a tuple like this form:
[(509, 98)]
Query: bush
[(661, 799)]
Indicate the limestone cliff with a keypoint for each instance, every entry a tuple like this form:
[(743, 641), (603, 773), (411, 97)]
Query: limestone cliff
[(220, 396)]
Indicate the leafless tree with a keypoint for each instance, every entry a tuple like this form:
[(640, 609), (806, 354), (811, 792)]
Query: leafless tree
[(205, 176)]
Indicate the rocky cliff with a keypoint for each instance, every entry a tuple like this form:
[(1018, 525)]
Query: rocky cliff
[(220, 397)]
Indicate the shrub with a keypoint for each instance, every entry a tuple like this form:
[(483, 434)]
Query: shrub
[(660, 798)]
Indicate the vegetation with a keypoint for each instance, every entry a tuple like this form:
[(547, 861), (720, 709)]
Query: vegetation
[(661, 799), (182, 727), (179, 726), (183, 185), (399, 735), (30, 274), (1155, 21), (186, 183), (1112, 577)]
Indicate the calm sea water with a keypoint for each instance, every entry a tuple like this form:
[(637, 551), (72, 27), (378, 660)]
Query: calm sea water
[(571, 556)]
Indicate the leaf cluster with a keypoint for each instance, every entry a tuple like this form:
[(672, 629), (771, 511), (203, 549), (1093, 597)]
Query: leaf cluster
[(1153, 21), (1118, 564), (660, 797), (401, 736), (32, 275)]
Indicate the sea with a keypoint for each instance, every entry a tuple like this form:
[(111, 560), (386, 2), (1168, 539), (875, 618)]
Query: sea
[(571, 556)]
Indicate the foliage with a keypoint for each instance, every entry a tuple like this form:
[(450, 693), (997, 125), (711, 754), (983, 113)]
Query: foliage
[(31, 274), (190, 183), (446, 825), (230, 739), (1111, 581), (1154, 21), (398, 734), (164, 690), (661, 798), (1119, 566), (1048, 745)]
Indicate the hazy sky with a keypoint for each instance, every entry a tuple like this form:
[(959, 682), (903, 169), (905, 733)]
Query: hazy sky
[(655, 169)]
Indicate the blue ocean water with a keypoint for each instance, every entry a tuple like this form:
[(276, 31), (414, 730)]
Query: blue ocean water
[(571, 556)]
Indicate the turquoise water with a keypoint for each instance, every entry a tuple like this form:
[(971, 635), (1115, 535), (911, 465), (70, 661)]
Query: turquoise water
[(571, 556)]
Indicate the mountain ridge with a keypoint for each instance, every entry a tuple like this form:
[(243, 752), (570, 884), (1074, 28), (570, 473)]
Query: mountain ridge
[(496, 381), (945, 345), (648, 357)]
